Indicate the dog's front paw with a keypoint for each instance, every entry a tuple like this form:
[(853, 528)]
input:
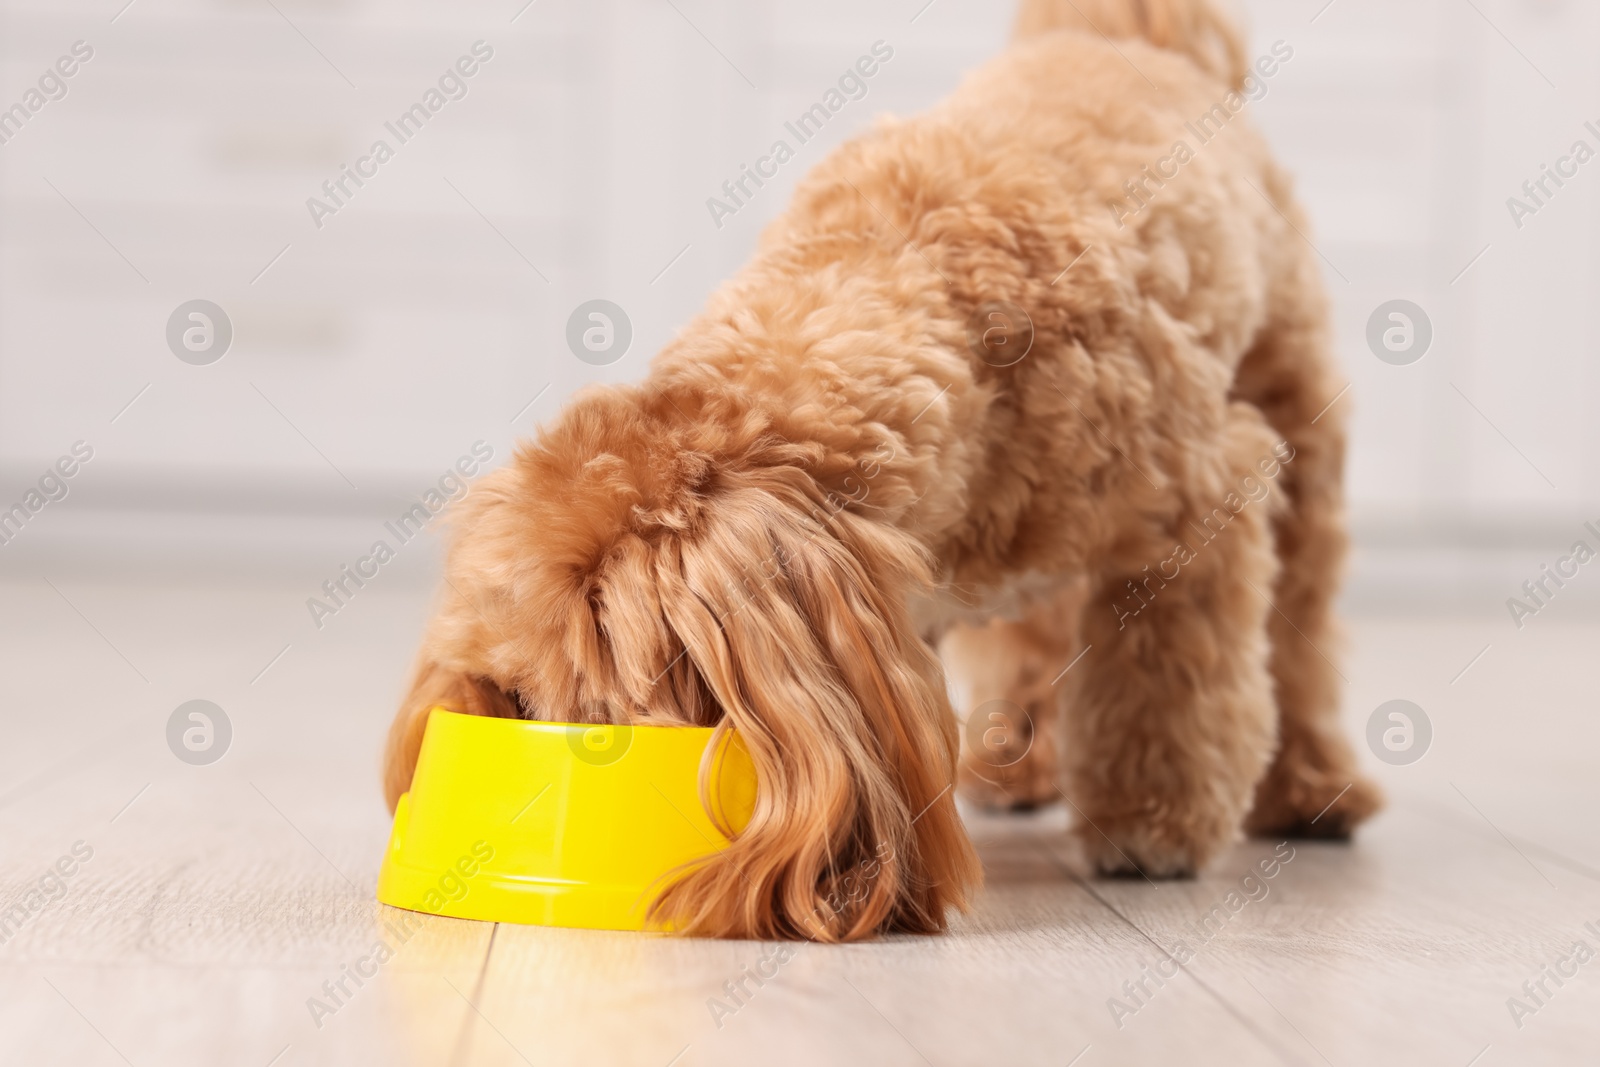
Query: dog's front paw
[(1130, 849)]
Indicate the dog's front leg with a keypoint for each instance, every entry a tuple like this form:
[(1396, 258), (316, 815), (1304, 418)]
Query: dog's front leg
[(1171, 719)]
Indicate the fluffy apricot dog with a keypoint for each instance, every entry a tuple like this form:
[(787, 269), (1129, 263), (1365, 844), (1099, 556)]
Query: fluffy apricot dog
[(990, 361)]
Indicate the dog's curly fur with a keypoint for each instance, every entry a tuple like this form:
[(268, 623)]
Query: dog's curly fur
[(767, 530)]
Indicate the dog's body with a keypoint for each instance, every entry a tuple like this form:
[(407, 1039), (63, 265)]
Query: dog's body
[(821, 470)]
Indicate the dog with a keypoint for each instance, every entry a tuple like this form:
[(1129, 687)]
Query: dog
[(841, 458)]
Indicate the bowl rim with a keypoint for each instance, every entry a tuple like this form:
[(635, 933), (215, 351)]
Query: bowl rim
[(546, 726)]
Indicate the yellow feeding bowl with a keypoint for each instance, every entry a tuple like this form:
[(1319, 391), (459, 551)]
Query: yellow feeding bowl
[(559, 824)]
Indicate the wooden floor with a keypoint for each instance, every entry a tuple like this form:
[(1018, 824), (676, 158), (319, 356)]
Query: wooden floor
[(219, 900)]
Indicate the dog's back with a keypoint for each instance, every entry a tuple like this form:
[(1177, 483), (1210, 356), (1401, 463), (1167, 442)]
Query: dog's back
[(1112, 186)]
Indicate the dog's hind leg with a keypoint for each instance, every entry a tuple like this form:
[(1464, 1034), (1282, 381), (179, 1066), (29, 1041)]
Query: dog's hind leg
[(1170, 713), (1313, 787), (1007, 676)]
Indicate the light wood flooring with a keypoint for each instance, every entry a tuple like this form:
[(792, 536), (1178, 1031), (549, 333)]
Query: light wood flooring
[(220, 899)]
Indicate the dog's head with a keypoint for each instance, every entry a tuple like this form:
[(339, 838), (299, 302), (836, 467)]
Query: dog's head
[(671, 559)]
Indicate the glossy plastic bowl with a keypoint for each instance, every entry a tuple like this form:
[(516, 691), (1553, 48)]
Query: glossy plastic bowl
[(559, 824)]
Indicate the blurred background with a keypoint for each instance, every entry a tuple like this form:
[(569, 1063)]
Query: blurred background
[(369, 353)]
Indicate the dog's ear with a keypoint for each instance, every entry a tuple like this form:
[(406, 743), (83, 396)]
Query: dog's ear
[(793, 615), (434, 686)]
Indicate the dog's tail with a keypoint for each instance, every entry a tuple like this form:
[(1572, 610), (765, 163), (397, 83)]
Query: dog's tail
[(1200, 29)]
